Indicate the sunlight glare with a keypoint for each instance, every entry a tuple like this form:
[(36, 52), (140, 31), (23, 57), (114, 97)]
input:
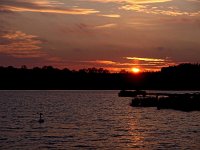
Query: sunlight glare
[(135, 70)]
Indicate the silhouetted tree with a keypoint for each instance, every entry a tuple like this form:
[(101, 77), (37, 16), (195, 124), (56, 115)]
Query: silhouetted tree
[(183, 76)]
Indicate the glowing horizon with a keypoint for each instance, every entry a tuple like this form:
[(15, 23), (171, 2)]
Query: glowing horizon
[(111, 34)]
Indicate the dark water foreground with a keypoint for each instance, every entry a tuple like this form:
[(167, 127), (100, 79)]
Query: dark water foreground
[(91, 120)]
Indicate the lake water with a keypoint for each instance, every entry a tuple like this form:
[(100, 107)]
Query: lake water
[(91, 120)]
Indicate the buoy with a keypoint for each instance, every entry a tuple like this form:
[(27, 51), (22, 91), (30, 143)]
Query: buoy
[(41, 120)]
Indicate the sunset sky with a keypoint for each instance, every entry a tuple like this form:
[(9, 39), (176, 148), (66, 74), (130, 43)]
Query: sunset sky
[(113, 34)]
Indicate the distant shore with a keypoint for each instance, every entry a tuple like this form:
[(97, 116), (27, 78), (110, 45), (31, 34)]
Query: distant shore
[(181, 77)]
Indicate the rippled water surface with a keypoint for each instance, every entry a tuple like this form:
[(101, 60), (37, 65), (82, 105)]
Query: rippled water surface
[(91, 120)]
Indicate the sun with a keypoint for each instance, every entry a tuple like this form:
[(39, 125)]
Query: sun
[(135, 70)]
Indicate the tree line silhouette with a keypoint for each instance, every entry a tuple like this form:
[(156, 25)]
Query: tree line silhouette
[(180, 77)]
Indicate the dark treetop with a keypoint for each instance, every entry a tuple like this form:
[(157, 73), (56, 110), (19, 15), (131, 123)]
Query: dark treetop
[(181, 77)]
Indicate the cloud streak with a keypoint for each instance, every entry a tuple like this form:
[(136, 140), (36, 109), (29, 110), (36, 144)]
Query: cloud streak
[(111, 25), (132, 1), (157, 7), (20, 45), (145, 64), (43, 7), (169, 11), (110, 15), (75, 11), (146, 59)]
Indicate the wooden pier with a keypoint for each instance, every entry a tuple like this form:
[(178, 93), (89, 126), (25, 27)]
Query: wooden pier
[(177, 101)]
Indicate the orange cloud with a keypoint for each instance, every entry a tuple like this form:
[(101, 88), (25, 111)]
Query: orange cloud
[(21, 45), (146, 59), (145, 64), (133, 1), (106, 26), (149, 7), (105, 62), (71, 11), (47, 3), (170, 11), (111, 15)]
